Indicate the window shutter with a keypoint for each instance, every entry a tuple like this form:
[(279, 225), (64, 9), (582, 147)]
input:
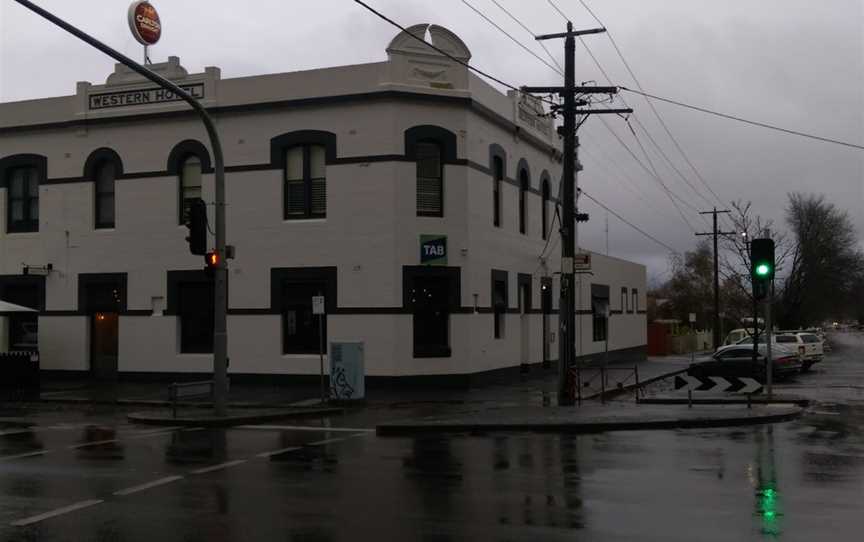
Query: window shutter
[(429, 180)]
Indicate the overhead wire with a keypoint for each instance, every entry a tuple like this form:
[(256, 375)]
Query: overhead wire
[(650, 137), (514, 40), (651, 105), (746, 121), (445, 53), (533, 34), (624, 220)]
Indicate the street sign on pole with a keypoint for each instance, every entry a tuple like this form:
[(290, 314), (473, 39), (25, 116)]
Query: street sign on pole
[(317, 304)]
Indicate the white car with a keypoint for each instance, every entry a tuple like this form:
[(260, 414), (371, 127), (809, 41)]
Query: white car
[(808, 345)]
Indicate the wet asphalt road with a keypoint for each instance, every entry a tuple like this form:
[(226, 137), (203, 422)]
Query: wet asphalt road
[(99, 478)]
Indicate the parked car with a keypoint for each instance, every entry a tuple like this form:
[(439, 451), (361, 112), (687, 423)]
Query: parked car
[(809, 346), (736, 335), (737, 360)]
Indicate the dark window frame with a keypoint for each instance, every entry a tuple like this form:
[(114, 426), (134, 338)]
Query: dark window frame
[(599, 320), (446, 142), (37, 165), (430, 144), (544, 207), (94, 166), (177, 159), (524, 179), (102, 194), (279, 147), (281, 278), (178, 281), (499, 301), (634, 295), (307, 182), (498, 169)]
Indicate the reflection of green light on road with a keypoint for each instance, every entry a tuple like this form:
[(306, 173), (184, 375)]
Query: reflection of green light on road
[(769, 493), (768, 510)]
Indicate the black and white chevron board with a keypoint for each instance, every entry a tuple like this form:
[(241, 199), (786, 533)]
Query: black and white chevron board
[(731, 384)]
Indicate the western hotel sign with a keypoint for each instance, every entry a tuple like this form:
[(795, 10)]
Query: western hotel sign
[(144, 96)]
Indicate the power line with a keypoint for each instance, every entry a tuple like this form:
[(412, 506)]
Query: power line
[(445, 53), (654, 110), (639, 122), (656, 176), (540, 43), (514, 40), (624, 220), (746, 121)]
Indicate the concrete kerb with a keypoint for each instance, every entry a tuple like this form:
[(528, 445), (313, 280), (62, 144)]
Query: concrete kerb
[(247, 417), (446, 426)]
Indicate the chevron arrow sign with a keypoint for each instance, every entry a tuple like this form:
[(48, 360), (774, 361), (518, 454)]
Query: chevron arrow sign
[(731, 384)]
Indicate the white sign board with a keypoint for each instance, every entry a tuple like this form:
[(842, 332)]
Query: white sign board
[(318, 304), (692, 317)]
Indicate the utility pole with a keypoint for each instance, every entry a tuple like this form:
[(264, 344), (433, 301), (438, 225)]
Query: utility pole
[(567, 304), (715, 233), (220, 333)]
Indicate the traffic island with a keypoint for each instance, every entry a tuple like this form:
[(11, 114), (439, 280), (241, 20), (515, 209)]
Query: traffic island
[(208, 418), (592, 419)]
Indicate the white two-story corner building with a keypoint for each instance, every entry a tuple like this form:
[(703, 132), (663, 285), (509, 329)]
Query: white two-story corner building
[(414, 196)]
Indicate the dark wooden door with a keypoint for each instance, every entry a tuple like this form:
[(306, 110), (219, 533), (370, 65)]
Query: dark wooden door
[(104, 343)]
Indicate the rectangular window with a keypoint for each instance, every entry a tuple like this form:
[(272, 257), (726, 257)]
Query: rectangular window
[(302, 330), (430, 180), (624, 299), (196, 311), (430, 299), (23, 200), (600, 317), (635, 306), (305, 182)]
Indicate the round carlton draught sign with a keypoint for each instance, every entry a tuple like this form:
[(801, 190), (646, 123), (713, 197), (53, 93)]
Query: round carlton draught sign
[(144, 22)]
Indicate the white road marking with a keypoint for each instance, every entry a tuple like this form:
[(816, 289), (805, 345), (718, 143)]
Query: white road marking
[(15, 432), (148, 485), (220, 466), (305, 428), (22, 456), (327, 441), (94, 443), (277, 452), (55, 513)]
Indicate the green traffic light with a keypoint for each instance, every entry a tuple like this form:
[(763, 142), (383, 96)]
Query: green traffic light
[(762, 269)]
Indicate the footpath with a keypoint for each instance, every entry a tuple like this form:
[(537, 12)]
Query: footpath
[(608, 403)]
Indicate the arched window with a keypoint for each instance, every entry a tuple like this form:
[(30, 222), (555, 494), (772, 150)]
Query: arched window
[(106, 174), (305, 191), (523, 194), (22, 174), (544, 208), (190, 183), (497, 181), (430, 178)]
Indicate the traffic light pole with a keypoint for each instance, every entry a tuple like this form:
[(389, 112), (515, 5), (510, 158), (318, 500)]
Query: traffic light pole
[(567, 304), (220, 334)]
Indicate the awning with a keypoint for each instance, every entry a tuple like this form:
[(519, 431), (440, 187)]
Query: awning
[(5, 306)]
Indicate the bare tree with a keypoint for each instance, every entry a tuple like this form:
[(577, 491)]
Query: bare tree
[(826, 263)]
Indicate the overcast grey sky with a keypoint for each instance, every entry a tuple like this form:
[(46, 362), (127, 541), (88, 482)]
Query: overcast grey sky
[(794, 63)]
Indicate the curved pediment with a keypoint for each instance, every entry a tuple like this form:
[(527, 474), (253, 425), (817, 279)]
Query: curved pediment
[(406, 42)]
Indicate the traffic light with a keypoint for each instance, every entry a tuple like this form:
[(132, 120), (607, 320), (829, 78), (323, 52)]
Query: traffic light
[(761, 266), (196, 221)]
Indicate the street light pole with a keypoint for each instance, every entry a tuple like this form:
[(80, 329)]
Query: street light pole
[(220, 333)]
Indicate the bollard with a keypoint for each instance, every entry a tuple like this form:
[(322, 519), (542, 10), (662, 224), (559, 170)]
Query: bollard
[(602, 385), (638, 388), (689, 398)]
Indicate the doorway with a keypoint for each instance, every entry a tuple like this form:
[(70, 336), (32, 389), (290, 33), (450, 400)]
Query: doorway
[(102, 297), (104, 345)]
